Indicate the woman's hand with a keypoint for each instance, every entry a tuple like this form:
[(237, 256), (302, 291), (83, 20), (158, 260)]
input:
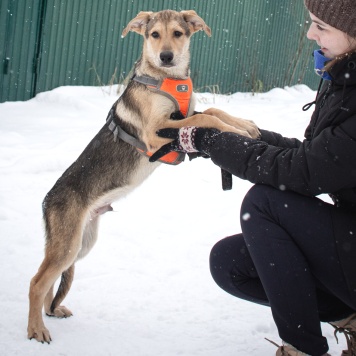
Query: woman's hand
[(187, 139)]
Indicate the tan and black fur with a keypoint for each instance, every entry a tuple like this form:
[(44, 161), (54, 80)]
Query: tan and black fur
[(108, 170)]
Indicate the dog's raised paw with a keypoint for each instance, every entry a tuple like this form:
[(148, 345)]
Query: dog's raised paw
[(60, 312)]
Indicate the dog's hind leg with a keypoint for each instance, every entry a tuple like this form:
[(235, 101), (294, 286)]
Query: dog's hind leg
[(63, 245), (41, 283), (41, 289), (52, 305)]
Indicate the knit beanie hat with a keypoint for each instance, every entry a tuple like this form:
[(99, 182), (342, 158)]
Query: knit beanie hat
[(340, 14)]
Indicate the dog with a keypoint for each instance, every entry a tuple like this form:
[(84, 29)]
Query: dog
[(115, 161)]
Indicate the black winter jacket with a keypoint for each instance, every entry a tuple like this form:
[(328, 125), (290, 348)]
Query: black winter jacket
[(325, 162)]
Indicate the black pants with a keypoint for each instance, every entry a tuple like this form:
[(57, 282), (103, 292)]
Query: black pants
[(286, 258)]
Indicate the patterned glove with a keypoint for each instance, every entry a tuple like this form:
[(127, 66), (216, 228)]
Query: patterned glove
[(186, 139)]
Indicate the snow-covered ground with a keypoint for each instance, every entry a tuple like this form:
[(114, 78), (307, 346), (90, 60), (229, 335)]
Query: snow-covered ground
[(145, 289)]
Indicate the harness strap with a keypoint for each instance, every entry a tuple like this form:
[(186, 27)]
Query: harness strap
[(173, 158), (119, 132), (146, 80)]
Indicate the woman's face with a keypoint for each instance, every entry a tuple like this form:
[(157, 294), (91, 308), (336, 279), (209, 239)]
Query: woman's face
[(332, 41)]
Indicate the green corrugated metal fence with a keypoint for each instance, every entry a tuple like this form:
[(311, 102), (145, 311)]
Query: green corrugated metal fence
[(256, 44), (19, 31)]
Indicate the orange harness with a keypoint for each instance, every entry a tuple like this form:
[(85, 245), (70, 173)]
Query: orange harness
[(179, 91)]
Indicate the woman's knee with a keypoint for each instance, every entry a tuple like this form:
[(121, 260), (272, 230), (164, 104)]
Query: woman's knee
[(233, 270), (223, 257), (230, 262)]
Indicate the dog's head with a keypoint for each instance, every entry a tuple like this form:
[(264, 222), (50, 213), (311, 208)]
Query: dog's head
[(166, 37)]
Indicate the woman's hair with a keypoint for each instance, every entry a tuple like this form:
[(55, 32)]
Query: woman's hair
[(340, 57)]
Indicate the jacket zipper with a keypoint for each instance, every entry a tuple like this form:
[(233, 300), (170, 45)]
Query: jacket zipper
[(320, 106), (325, 96)]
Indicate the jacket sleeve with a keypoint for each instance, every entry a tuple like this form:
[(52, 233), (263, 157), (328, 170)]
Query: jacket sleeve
[(276, 139), (324, 164)]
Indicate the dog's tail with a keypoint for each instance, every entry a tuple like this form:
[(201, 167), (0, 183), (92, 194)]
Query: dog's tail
[(64, 286)]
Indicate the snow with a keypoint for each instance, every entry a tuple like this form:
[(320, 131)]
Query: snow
[(145, 288)]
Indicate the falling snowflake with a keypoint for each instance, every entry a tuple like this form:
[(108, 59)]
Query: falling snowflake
[(246, 216)]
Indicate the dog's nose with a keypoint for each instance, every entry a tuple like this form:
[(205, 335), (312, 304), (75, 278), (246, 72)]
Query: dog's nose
[(166, 57)]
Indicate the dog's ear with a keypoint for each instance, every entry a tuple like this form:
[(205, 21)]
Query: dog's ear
[(195, 22), (138, 23)]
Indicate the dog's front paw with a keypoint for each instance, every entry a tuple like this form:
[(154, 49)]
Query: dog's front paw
[(243, 127), (60, 312), (252, 129), (40, 333)]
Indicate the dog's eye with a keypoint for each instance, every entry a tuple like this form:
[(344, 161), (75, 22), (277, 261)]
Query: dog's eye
[(177, 34), (155, 34)]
